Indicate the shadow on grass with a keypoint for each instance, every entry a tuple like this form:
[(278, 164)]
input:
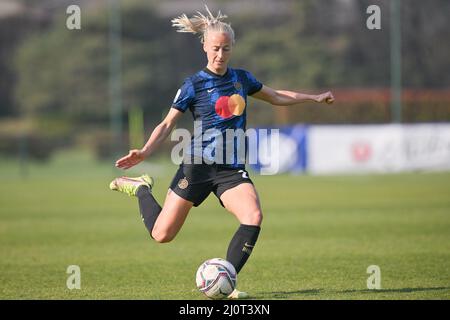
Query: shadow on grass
[(398, 290), (287, 294), (315, 292)]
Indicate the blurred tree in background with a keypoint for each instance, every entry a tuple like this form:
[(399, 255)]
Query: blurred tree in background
[(65, 73)]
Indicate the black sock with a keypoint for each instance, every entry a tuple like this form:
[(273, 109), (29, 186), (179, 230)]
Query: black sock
[(242, 245), (148, 206)]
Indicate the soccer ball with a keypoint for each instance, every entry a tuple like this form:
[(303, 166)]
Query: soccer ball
[(216, 278)]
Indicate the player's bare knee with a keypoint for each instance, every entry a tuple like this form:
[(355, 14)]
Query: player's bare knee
[(162, 236), (255, 218), (259, 218)]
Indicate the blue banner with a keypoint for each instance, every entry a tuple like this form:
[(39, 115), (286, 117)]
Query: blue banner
[(284, 149)]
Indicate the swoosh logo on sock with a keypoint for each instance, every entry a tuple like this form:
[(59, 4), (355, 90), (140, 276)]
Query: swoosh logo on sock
[(247, 248)]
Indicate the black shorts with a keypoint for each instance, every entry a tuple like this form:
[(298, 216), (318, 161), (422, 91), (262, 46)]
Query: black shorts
[(194, 182)]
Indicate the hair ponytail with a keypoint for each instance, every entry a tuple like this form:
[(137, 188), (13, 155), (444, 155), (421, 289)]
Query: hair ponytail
[(201, 24)]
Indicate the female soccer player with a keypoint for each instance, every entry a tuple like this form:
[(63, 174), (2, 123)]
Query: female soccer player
[(216, 96)]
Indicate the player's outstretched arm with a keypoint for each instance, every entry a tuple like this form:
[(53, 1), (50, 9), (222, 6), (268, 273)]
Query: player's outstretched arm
[(288, 98), (159, 134)]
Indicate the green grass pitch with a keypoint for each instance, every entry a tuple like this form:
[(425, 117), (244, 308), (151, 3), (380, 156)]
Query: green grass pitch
[(319, 236)]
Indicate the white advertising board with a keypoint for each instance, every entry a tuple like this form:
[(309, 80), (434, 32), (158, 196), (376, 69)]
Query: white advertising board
[(378, 148)]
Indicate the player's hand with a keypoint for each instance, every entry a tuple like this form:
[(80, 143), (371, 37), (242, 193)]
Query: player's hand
[(134, 157), (325, 97)]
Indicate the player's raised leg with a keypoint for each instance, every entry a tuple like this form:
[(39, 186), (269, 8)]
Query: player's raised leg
[(171, 218), (162, 223), (140, 187)]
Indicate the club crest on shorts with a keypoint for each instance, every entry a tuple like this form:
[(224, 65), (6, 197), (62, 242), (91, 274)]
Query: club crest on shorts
[(183, 183)]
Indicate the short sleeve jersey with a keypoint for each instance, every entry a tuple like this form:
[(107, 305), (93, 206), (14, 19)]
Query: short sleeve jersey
[(217, 103)]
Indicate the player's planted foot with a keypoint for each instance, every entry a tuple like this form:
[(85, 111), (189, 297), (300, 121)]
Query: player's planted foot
[(130, 185), (236, 294)]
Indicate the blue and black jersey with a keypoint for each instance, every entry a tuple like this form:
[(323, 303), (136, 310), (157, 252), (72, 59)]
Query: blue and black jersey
[(217, 103)]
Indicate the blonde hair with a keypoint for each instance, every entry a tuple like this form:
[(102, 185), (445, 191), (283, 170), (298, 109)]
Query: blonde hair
[(201, 24)]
